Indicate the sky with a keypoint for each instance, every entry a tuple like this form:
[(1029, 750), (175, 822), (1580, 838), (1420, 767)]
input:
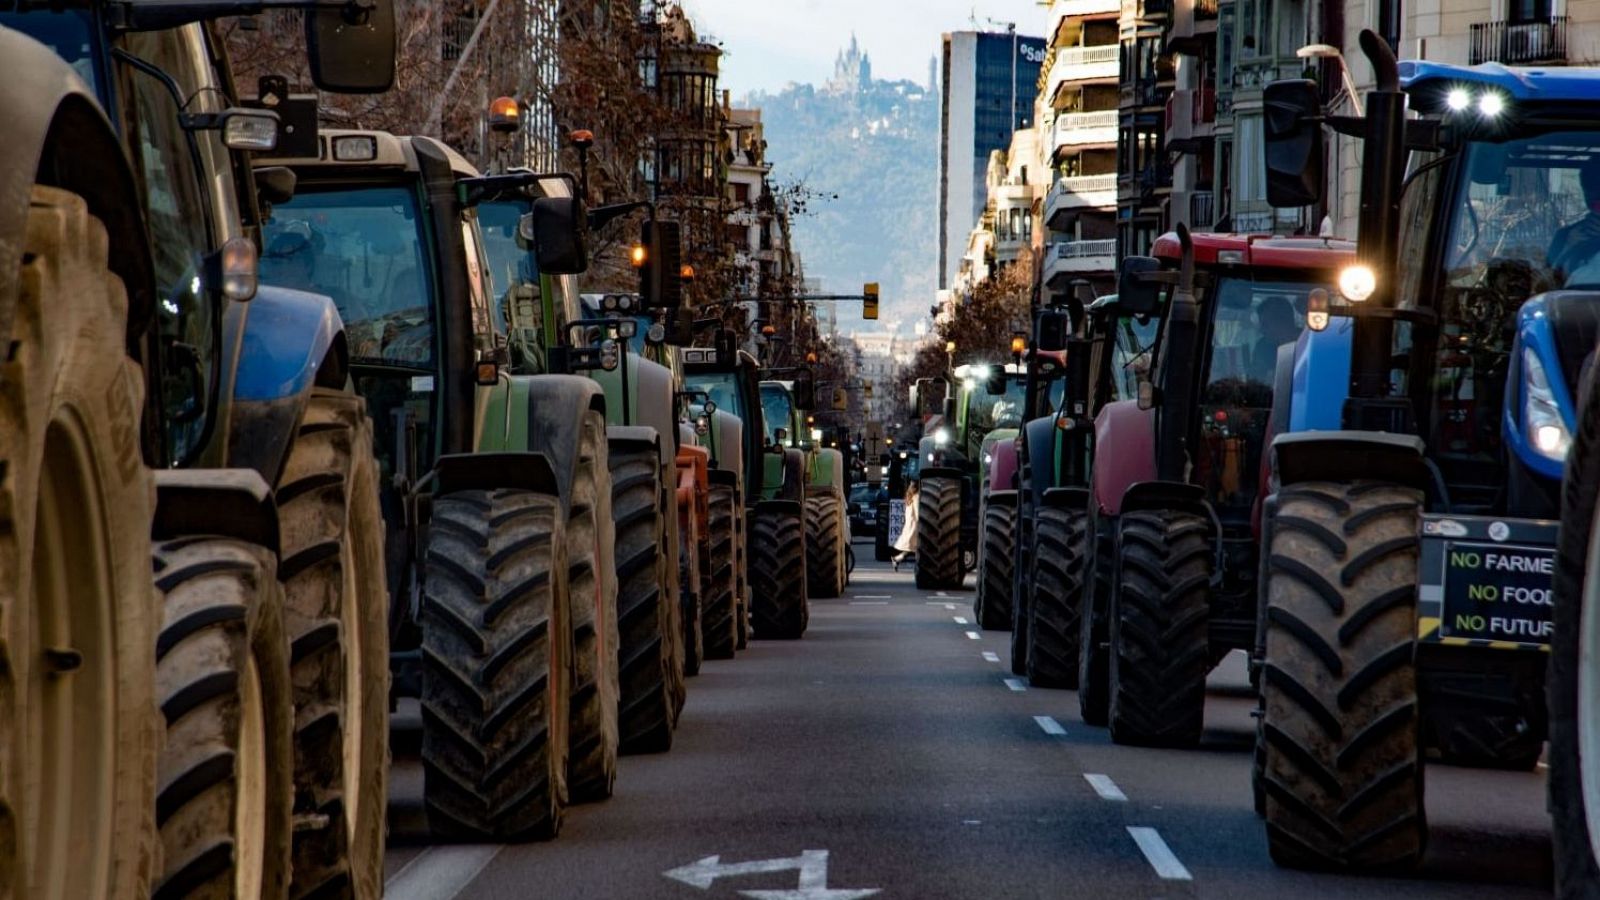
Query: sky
[(770, 43)]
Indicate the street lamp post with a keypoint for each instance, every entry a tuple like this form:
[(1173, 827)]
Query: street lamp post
[(1328, 51)]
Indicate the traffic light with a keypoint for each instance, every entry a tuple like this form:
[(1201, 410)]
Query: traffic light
[(869, 300), (659, 258)]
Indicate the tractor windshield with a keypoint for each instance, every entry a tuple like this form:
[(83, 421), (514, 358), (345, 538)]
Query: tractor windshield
[(71, 33), (518, 305), (1507, 221), (777, 409), (986, 412), (721, 387), (364, 248), (1251, 319)]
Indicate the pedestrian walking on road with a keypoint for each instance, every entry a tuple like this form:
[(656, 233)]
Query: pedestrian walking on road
[(906, 543)]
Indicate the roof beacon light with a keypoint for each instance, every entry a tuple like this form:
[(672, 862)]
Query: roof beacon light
[(504, 115)]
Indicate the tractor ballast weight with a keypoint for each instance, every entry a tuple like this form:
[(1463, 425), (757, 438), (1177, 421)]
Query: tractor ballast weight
[(1437, 478)]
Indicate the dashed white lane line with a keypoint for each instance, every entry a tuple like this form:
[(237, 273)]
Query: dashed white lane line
[(1160, 856), (440, 872), (960, 620), (1050, 725), (949, 606), (1106, 788), (871, 597), (940, 594), (991, 656), (973, 635), (869, 603), (1015, 684)]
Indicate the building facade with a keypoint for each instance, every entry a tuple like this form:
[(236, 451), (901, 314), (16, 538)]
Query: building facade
[(1146, 75), (988, 84)]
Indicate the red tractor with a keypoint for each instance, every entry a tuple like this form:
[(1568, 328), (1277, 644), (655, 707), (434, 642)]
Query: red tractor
[(1176, 479)]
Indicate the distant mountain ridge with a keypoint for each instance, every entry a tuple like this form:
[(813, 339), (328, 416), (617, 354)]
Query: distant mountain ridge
[(876, 145)]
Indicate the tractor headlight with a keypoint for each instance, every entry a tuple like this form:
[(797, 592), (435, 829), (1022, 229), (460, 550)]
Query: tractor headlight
[(941, 436), (610, 355), (1541, 416), (1357, 282)]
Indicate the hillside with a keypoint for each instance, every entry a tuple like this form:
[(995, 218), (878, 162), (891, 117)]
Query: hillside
[(876, 145)]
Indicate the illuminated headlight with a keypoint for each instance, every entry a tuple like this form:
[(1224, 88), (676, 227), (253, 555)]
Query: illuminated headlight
[(609, 355), (1491, 104), (1458, 100), (1541, 414), (979, 373), (1230, 257), (816, 434), (941, 436), (988, 458), (969, 383), (1357, 282)]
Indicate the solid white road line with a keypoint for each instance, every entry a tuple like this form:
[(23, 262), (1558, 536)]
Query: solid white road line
[(1050, 726), (1161, 857), (974, 635), (440, 872), (991, 656), (1106, 788), (960, 620), (869, 603), (871, 597), (1015, 684)]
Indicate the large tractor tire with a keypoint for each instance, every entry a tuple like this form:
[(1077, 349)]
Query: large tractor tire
[(496, 666), (996, 564), (742, 516), (825, 565), (592, 584), (692, 614), (721, 626), (1343, 762), (1057, 559), (1574, 783), (336, 614), (1094, 662), (1159, 649), (881, 551), (778, 609), (78, 612), (647, 626), (225, 806), (939, 534)]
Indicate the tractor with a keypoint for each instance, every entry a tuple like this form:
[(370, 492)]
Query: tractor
[(1431, 413), (162, 407), (827, 518), (496, 481), (1176, 473)]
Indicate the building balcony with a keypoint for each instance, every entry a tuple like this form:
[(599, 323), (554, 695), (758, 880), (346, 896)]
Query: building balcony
[(1083, 63), (1194, 23), (1519, 43), (1202, 210), (1062, 10), (1086, 128), (1191, 114), (1066, 260), (1007, 248), (1082, 192)]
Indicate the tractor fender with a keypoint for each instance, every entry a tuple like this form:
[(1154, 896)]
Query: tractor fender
[(687, 437), (555, 410), (632, 437), (648, 400), (794, 476), (1321, 377), (230, 503), (780, 507), (1351, 456), (1040, 444), (1124, 452), (1003, 465), (726, 440), (489, 471), (1067, 498), (940, 472), (278, 347), (827, 470), (1277, 423), (56, 134), (723, 478)]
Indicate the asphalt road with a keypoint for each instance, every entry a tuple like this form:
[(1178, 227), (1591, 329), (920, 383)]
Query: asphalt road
[(889, 753)]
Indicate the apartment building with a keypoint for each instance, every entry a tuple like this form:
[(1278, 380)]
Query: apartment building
[(1146, 78)]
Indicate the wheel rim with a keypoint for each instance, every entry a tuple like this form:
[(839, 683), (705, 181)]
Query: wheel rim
[(1588, 719), (70, 802), (250, 806), (354, 699)]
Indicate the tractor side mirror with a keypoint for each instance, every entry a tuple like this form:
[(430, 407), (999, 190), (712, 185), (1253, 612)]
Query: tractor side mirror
[(1138, 295), (1293, 127), (275, 184), (555, 231), (352, 49), (1052, 330), (805, 391)]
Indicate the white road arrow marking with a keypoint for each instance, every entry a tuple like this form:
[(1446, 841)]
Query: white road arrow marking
[(813, 883)]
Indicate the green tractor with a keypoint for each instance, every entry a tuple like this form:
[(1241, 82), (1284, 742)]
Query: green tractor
[(496, 477), (827, 521), (222, 728)]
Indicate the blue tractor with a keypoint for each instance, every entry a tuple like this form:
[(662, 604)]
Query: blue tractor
[(1408, 536), (163, 412)]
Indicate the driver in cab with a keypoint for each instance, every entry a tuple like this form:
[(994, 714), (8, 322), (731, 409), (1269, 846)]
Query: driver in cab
[(1575, 249)]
